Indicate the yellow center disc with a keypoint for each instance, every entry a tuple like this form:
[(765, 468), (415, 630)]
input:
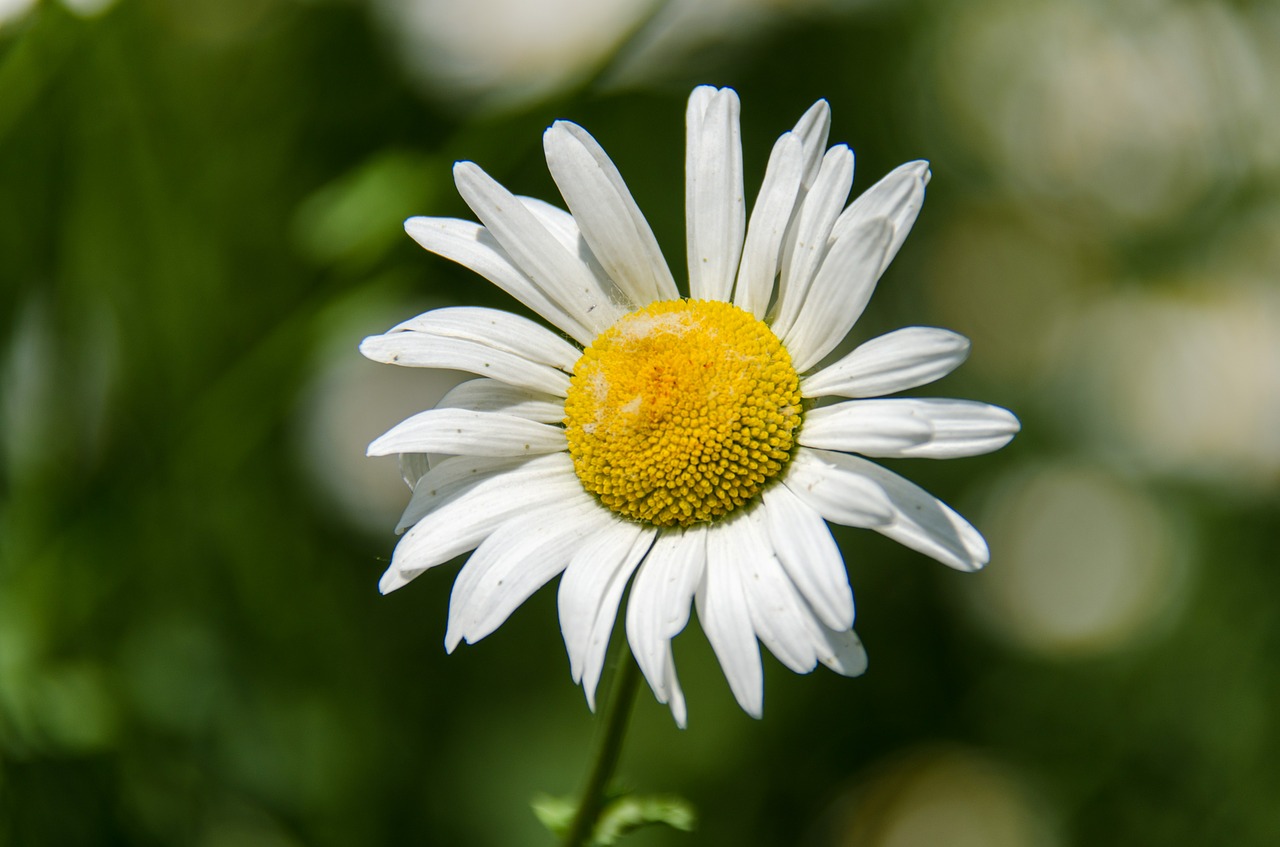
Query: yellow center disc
[(682, 411)]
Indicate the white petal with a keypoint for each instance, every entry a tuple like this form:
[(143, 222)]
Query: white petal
[(795, 634), (843, 652), (806, 245), (565, 229), (806, 549), (519, 557), (862, 426), (562, 275), (919, 520), (839, 293), (679, 578), (783, 620), (461, 431), (699, 99), (910, 428), (488, 395), (451, 478), (814, 127), (472, 246), (726, 618), (678, 710), (902, 359), (779, 616), (461, 523), (611, 222), (413, 466), (769, 219), (715, 213), (589, 593), (661, 594), (839, 496), (897, 197), (419, 350), (499, 330)]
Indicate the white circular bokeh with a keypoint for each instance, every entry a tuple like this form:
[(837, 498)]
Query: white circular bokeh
[(1082, 562), (943, 795), (1121, 113), (350, 402)]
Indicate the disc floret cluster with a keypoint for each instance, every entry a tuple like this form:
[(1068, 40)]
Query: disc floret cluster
[(682, 412)]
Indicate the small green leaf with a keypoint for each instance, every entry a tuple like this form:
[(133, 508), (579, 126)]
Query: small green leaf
[(555, 813), (632, 812)]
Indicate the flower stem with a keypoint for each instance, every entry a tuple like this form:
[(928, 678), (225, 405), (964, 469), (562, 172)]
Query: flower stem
[(617, 711)]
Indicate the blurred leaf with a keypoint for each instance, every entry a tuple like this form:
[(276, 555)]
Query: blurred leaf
[(355, 219), (632, 812), (77, 707), (555, 813), (619, 817), (35, 59)]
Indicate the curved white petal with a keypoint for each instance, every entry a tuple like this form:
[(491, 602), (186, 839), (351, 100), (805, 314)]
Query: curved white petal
[(857, 426), (918, 519), (489, 395), (806, 246), (672, 684), (449, 479), (563, 275), (783, 619), (589, 593), (910, 428), (813, 128), (497, 329), (413, 466), (898, 197), (808, 552), (461, 523), (516, 560), (842, 651), (839, 293), (461, 431), (420, 350), (715, 211), (768, 227), (793, 632), (898, 360), (840, 497), (474, 247), (564, 228), (780, 618), (658, 607), (726, 617), (604, 208)]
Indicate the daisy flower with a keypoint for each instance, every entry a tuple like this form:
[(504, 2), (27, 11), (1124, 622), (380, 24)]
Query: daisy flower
[(690, 446)]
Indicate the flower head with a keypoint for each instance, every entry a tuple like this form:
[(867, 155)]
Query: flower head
[(682, 445)]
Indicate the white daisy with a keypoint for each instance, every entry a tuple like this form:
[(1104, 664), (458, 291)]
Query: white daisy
[(682, 441)]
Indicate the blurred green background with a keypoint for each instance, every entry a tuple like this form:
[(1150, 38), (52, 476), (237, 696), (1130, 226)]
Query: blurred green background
[(200, 209)]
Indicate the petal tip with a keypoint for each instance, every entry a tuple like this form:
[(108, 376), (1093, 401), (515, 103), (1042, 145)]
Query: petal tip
[(369, 349), (555, 131), (391, 580)]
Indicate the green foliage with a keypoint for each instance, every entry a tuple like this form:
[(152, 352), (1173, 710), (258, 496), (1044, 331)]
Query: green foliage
[(621, 815)]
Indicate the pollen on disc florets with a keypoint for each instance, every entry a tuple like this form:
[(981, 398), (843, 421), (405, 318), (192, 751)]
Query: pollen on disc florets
[(682, 411)]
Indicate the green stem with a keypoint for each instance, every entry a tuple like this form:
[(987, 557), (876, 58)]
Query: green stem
[(618, 710)]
